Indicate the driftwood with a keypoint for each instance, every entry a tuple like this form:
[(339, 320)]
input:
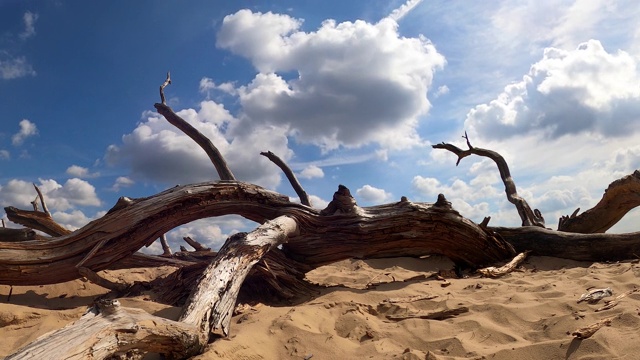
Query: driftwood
[(495, 272), (308, 238), (437, 315), (588, 331)]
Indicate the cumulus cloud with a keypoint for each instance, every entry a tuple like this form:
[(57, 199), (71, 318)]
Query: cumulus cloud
[(27, 129), (122, 182), (372, 194), (311, 172), (74, 192), (157, 151), (587, 90), (81, 172), (356, 83)]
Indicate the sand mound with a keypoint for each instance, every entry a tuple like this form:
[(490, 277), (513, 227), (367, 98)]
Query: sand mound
[(376, 309)]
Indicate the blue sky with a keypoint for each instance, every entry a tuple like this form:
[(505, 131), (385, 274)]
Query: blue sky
[(349, 93)]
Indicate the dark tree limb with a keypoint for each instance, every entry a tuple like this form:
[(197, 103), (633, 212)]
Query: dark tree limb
[(529, 217), (293, 180), (214, 155), (194, 244), (619, 198)]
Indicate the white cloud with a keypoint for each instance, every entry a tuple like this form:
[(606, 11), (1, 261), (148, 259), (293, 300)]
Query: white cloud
[(207, 84), (311, 172), (122, 182), (29, 19), (357, 83), (72, 220), (5, 155), (81, 172), (442, 90), (157, 151), (27, 129), (15, 67), (374, 195), (584, 90), (403, 10), (74, 192)]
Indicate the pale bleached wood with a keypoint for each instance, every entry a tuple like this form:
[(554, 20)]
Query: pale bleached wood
[(495, 272)]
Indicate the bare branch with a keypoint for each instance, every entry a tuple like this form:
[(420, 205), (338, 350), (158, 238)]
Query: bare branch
[(304, 199), (214, 155), (529, 217), (165, 245), (194, 244), (35, 220), (164, 84), (44, 205)]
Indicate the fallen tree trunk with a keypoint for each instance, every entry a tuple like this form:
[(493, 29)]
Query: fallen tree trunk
[(403, 228), (107, 330)]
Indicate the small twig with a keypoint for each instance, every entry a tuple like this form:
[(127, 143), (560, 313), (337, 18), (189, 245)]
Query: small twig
[(505, 269), (164, 84)]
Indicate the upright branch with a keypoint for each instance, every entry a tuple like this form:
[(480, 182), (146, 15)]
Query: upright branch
[(304, 199), (164, 85), (214, 155), (529, 217), (44, 205)]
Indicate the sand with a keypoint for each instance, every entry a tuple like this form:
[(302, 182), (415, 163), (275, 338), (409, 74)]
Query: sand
[(528, 314)]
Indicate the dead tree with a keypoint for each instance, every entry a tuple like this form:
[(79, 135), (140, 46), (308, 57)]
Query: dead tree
[(309, 238)]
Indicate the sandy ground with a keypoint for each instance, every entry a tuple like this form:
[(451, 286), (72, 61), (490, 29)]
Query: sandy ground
[(372, 310)]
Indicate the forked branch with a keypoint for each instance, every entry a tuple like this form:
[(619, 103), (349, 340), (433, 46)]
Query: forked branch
[(529, 217)]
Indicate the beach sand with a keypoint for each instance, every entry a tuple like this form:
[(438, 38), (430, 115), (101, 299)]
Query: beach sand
[(372, 309)]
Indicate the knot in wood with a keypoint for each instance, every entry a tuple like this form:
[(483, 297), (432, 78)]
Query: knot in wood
[(107, 306)]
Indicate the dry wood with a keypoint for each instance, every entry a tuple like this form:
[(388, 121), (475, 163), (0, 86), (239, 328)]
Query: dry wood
[(408, 299), (37, 220), (194, 244), (529, 217), (437, 315), (580, 247), (495, 272), (610, 304), (619, 198), (166, 249), (211, 306), (108, 330), (16, 235), (588, 331), (214, 154), (293, 180)]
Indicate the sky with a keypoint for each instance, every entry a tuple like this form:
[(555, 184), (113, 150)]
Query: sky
[(351, 93)]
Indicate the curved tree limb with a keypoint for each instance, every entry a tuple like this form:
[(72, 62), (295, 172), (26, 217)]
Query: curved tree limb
[(619, 198), (214, 155), (293, 180), (529, 217)]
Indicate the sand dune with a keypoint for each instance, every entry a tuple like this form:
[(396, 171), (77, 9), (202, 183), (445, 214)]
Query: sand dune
[(528, 314)]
